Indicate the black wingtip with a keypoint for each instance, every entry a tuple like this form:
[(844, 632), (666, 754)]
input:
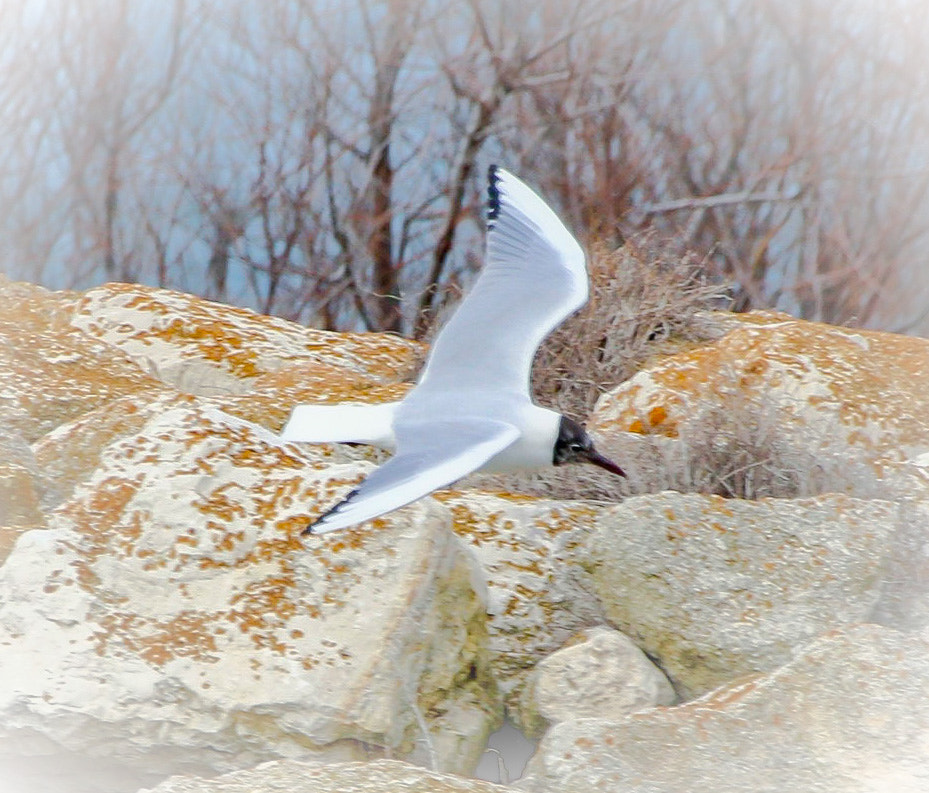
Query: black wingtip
[(309, 530), (493, 194)]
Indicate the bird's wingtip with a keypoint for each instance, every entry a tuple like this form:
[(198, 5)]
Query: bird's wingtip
[(316, 527), (493, 194)]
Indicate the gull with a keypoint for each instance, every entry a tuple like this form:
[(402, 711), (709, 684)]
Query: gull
[(471, 409)]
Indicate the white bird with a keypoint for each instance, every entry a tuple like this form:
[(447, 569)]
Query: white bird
[(471, 409)]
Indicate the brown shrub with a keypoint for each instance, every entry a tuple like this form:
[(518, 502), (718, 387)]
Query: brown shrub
[(645, 299)]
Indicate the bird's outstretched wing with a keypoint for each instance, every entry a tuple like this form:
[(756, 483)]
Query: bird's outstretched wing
[(534, 277), (430, 455)]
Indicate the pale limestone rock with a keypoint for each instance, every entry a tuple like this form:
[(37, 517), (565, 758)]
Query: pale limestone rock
[(53, 373), (171, 621), (24, 491), (19, 505), (601, 675), (69, 454), (208, 348), (538, 596), (171, 618), (848, 714), (793, 407), (715, 588), (382, 776), (268, 365)]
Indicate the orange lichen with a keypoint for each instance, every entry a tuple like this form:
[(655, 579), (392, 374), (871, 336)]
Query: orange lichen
[(189, 634)]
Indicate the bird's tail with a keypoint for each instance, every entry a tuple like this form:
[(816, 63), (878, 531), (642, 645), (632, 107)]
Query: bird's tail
[(348, 423)]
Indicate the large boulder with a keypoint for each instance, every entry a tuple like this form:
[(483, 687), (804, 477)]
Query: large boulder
[(716, 588), (775, 406), (381, 776), (848, 714), (171, 618), (208, 348)]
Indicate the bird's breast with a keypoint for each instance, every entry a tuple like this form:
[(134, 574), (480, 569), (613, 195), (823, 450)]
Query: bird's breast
[(535, 447)]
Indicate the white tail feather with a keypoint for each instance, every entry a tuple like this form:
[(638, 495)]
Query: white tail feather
[(348, 423)]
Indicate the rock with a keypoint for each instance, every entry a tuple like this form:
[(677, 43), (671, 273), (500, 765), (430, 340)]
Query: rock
[(53, 373), (35, 308), (171, 619), (779, 408), (848, 714), (24, 491), (602, 675), (207, 348), (159, 613), (19, 505), (715, 588), (537, 595), (257, 367), (382, 776), (904, 602), (70, 453)]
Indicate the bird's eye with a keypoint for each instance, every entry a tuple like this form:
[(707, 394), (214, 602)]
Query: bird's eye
[(576, 447)]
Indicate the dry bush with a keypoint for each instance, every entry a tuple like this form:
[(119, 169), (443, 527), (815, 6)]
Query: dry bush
[(645, 298), (737, 447)]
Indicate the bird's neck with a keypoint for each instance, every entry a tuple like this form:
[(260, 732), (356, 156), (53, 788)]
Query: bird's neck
[(535, 447)]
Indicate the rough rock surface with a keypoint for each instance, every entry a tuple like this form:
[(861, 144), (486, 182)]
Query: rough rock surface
[(715, 588), (172, 618), (835, 407), (164, 617), (381, 776), (52, 372), (20, 507), (537, 595), (849, 713), (207, 348), (600, 673)]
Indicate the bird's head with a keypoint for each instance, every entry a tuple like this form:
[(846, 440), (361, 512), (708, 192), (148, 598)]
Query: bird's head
[(574, 445)]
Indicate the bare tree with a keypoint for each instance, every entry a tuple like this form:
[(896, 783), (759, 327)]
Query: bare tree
[(781, 159), (324, 161)]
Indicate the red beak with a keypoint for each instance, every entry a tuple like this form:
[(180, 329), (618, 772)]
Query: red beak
[(593, 456)]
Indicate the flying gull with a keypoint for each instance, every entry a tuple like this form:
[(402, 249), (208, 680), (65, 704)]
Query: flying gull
[(471, 409)]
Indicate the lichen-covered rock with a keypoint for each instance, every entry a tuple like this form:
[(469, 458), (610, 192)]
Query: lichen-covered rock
[(34, 307), (169, 619), (257, 368), (817, 407), (537, 595), (207, 348), (20, 507), (716, 588), (69, 454), (172, 619), (52, 372), (24, 490), (848, 714), (382, 776), (600, 674)]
